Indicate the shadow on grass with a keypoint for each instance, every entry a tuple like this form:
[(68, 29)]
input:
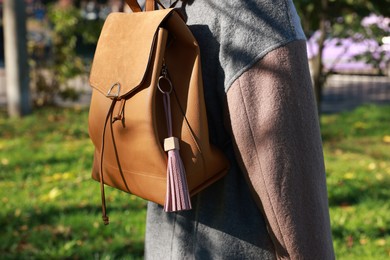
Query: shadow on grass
[(73, 232), (350, 192)]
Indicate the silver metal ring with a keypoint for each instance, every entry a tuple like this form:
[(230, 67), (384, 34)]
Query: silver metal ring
[(170, 85)]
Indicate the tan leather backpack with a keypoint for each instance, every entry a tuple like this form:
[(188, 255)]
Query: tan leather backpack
[(143, 60)]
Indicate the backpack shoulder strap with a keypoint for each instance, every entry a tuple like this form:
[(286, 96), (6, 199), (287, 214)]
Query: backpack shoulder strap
[(135, 7), (133, 4), (150, 5)]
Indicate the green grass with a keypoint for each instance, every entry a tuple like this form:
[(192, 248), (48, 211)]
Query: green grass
[(50, 207), (357, 157)]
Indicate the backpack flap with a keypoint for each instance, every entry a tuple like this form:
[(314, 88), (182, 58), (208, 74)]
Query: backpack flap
[(123, 51)]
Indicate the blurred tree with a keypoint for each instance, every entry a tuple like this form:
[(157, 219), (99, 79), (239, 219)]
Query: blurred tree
[(68, 31), (50, 76), (341, 19), (16, 66)]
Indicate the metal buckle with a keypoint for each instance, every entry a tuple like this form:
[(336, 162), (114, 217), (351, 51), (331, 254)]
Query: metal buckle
[(114, 95)]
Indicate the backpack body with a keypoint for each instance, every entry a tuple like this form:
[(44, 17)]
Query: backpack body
[(127, 120)]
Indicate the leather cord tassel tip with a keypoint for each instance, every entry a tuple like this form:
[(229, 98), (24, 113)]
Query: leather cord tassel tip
[(106, 221), (177, 197)]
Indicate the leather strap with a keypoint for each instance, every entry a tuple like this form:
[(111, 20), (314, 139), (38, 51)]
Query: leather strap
[(111, 120), (135, 7), (133, 4), (101, 175), (150, 5)]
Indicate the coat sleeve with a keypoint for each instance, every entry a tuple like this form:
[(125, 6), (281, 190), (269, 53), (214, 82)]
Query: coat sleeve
[(276, 132)]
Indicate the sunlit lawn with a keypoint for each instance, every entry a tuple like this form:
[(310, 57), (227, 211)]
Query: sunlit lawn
[(50, 207), (357, 153)]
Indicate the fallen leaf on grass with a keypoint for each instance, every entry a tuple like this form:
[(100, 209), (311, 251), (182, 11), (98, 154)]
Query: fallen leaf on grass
[(18, 212), (360, 125), (380, 242), (363, 241), (349, 176), (58, 176), (372, 166), (383, 165), (52, 195), (350, 241), (96, 224), (4, 161), (23, 228), (379, 176), (69, 245), (386, 139), (62, 230)]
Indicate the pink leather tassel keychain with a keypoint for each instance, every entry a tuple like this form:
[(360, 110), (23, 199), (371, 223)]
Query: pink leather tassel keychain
[(177, 194)]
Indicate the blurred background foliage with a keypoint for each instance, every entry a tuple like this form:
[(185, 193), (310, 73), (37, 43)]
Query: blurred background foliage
[(70, 28), (341, 19), (63, 53)]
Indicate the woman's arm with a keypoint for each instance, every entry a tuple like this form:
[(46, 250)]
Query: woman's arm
[(276, 131)]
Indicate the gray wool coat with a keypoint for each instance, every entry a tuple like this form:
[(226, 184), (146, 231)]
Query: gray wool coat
[(273, 202)]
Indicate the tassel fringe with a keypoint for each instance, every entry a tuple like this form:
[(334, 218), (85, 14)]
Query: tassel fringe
[(177, 197)]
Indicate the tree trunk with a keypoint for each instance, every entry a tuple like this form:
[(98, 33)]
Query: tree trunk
[(319, 76), (16, 66)]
